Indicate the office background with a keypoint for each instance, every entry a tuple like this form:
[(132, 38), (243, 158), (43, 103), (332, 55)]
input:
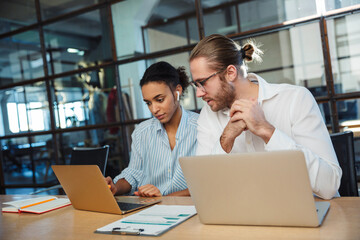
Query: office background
[(70, 70)]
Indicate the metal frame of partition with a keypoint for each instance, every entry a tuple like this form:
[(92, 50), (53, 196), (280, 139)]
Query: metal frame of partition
[(48, 79)]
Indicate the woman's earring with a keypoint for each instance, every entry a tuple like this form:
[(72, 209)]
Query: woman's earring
[(178, 96)]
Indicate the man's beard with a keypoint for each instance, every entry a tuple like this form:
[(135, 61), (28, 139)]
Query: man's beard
[(224, 97)]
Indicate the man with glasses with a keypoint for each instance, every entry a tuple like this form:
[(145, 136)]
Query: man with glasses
[(244, 113)]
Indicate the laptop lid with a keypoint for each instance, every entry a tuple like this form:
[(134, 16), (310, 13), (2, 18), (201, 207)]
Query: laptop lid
[(263, 188), (87, 190)]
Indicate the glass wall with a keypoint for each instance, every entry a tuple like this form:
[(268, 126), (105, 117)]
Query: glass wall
[(259, 13), (9, 21), (345, 52), (51, 9), (82, 99), (251, 15), (345, 61), (86, 43), (26, 163), (150, 26), (20, 58), (96, 51), (15, 157), (338, 4), (24, 109), (223, 21), (128, 17), (291, 56)]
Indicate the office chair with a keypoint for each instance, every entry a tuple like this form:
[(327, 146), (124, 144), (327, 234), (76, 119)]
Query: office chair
[(90, 156), (344, 147), (85, 156)]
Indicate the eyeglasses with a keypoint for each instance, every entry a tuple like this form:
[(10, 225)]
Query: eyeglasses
[(200, 84)]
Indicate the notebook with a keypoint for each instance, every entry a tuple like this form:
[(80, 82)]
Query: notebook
[(86, 188), (36, 205), (263, 188)]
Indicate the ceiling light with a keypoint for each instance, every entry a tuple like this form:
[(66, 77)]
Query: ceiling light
[(72, 50)]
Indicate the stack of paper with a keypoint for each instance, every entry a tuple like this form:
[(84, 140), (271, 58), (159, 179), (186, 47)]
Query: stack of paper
[(151, 222)]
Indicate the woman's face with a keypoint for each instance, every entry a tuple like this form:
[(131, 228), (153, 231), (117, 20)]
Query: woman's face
[(160, 100)]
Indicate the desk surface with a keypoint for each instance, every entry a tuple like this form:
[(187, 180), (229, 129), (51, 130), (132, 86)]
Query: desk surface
[(342, 222)]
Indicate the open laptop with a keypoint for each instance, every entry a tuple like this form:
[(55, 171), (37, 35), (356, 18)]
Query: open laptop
[(87, 190), (264, 188)]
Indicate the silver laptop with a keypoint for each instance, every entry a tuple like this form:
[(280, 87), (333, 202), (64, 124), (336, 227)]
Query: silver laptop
[(265, 188), (86, 188)]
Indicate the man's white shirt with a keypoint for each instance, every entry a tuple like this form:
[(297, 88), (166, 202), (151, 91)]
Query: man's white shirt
[(298, 123)]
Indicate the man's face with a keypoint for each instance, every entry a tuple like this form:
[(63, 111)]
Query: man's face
[(217, 93)]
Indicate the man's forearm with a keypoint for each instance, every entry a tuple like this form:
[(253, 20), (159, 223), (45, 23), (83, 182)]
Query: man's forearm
[(266, 132), (232, 130), (226, 142)]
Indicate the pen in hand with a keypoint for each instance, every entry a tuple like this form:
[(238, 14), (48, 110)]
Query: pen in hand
[(111, 185)]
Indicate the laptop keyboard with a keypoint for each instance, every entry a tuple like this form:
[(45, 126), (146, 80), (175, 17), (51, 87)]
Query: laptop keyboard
[(128, 206)]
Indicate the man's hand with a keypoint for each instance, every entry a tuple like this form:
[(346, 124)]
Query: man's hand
[(251, 113), (148, 190), (113, 187)]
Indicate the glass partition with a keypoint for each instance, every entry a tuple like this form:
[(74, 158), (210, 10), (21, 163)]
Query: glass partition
[(336, 4), (24, 108), (79, 42), (25, 163), (161, 31), (16, 160), (193, 30), (16, 14), (51, 9), (20, 58), (166, 36), (222, 21), (292, 56), (345, 52), (347, 112), (44, 157), (262, 13), (85, 99)]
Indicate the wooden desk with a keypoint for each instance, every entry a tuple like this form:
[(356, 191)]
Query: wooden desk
[(342, 222)]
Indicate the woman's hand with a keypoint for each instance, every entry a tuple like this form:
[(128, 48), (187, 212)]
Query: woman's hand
[(148, 190), (110, 183)]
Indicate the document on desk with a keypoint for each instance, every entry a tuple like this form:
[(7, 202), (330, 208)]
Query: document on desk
[(152, 221)]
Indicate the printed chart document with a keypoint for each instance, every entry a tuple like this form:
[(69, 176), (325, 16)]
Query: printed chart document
[(36, 205), (152, 221)]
